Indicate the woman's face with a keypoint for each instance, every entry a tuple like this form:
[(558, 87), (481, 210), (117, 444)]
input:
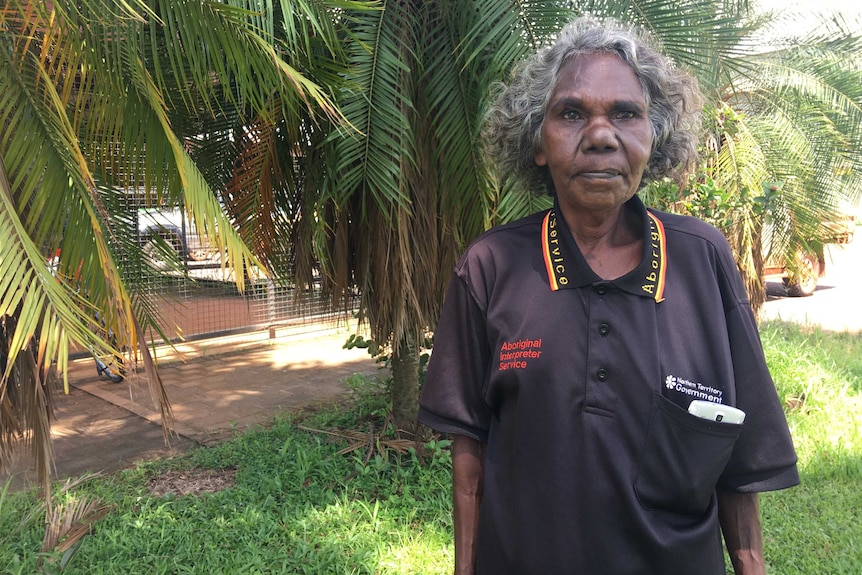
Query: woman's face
[(596, 136)]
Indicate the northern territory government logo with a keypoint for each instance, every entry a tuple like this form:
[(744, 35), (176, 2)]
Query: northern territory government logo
[(693, 389)]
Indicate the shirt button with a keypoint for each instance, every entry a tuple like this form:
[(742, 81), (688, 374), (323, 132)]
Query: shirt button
[(601, 290), (602, 374), (604, 329)]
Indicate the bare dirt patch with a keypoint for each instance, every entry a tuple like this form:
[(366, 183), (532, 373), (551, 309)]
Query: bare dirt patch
[(192, 482)]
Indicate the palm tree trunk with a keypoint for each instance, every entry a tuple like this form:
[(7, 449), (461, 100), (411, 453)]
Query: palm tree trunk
[(405, 384)]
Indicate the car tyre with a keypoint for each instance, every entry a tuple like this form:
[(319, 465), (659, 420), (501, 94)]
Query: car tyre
[(804, 281)]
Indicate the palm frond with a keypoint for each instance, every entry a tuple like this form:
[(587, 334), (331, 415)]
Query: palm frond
[(67, 523), (513, 203), (99, 98), (377, 104), (504, 32), (455, 92), (40, 154)]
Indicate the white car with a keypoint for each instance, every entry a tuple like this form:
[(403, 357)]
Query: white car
[(801, 279), (171, 225)]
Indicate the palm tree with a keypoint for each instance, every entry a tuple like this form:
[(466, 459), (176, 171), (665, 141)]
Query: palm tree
[(793, 142), (397, 197), (782, 154), (409, 187), (99, 97), (391, 202), (406, 185)]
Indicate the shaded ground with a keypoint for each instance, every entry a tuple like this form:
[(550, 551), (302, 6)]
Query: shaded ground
[(102, 426)]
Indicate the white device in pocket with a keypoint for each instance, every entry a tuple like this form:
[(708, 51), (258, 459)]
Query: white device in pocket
[(716, 412)]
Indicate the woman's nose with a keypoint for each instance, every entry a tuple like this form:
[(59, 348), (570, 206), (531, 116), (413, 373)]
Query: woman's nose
[(600, 134)]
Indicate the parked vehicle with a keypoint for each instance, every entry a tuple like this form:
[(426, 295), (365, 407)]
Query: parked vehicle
[(169, 225), (800, 278)]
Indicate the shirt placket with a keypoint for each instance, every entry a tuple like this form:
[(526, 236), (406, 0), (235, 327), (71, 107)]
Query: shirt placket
[(601, 377)]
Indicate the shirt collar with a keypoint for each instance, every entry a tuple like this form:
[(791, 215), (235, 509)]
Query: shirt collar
[(567, 268)]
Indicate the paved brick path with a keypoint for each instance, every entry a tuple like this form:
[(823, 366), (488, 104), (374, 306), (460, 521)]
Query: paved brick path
[(222, 387)]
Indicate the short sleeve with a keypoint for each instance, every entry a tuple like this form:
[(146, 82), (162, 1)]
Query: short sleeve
[(764, 458), (452, 399)]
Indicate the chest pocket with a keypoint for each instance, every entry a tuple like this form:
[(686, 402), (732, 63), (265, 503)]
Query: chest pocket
[(682, 459)]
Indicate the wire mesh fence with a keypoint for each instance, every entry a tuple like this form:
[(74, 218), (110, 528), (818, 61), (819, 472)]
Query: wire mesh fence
[(199, 298), (194, 309)]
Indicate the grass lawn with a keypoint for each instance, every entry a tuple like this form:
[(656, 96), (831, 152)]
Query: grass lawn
[(816, 528), (299, 501)]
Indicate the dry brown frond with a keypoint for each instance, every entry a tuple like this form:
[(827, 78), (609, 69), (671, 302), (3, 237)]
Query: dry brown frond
[(25, 407), (358, 439), (157, 388), (69, 522)]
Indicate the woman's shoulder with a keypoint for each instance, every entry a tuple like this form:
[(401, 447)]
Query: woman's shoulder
[(510, 234), (696, 243), (503, 245)]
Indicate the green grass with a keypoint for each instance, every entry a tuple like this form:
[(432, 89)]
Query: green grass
[(299, 506), (816, 528)]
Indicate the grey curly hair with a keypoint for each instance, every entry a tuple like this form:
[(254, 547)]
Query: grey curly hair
[(514, 121)]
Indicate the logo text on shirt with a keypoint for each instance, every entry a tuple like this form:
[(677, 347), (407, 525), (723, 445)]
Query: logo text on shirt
[(694, 389), (516, 354), (553, 253), (654, 280)]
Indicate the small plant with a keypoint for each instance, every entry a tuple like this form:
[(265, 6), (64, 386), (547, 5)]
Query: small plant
[(705, 200), (382, 353)]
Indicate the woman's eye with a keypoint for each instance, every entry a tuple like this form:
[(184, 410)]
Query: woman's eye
[(625, 115), (571, 115)]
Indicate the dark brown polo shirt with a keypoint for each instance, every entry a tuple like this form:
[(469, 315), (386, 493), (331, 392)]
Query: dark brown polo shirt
[(580, 387)]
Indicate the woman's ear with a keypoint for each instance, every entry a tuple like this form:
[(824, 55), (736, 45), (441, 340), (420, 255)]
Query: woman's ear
[(540, 158)]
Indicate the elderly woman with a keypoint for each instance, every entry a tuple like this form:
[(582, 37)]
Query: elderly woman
[(576, 346)]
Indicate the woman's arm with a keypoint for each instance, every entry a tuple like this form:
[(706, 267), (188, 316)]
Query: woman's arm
[(468, 469), (739, 516)]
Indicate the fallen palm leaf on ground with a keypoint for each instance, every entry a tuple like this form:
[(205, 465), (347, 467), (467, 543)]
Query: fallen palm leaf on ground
[(369, 439)]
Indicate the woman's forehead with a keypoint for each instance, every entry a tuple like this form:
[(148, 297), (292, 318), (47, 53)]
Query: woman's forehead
[(597, 75)]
